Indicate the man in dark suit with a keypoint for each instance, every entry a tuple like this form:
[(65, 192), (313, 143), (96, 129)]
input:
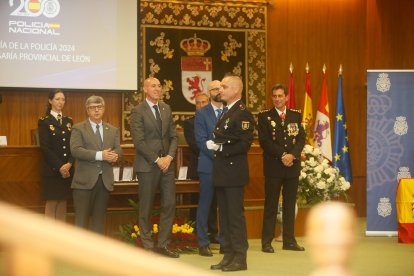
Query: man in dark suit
[(205, 122), (201, 100), (155, 140), (233, 136), (282, 138), (95, 145)]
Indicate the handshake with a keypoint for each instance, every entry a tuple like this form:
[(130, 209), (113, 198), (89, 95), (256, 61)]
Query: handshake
[(213, 146)]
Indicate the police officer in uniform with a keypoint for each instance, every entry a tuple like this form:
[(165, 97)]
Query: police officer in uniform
[(232, 140), (282, 138), (54, 137)]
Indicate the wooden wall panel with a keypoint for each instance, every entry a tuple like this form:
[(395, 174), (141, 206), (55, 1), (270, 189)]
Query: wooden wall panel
[(390, 34), (20, 111)]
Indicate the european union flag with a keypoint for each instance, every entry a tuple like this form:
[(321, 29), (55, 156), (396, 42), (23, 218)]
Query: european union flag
[(341, 159)]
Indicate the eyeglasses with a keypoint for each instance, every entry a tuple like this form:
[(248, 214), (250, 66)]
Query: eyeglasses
[(216, 89), (95, 107)]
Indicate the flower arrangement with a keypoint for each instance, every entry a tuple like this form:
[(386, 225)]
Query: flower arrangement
[(183, 237), (318, 180)]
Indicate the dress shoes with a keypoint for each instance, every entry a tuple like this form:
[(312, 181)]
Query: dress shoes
[(166, 252), (205, 251), (293, 246), (267, 248), (221, 264), (235, 266)]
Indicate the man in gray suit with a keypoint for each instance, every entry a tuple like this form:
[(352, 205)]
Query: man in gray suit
[(155, 140), (95, 145)]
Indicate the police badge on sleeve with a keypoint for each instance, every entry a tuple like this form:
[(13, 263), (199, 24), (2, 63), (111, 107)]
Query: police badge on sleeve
[(245, 125)]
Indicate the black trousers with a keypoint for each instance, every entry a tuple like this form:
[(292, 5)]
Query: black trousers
[(233, 221), (273, 185)]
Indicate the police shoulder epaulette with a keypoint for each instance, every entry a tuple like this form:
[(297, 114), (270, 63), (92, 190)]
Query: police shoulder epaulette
[(297, 110)]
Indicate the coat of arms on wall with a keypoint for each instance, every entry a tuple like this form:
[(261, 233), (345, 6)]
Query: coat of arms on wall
[(187, 44), (196, 70)]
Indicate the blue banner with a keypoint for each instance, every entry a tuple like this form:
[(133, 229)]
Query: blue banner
[(390, 146)]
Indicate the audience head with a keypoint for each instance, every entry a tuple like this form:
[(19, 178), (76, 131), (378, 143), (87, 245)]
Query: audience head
[(95, 107), (330, 231)]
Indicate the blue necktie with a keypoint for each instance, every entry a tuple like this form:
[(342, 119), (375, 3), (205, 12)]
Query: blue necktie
[(219, 111)]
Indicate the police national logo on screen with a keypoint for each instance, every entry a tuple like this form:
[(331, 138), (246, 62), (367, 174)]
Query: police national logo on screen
[(34, 9)]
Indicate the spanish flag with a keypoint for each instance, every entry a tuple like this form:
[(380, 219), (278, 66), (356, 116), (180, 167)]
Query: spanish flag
[(405, 210), (307, 115)]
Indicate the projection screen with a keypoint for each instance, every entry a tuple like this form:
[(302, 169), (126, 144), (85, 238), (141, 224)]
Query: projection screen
[(72, 44)]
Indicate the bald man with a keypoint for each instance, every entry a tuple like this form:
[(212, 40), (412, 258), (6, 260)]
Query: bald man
[(155, 140), (233, 136)]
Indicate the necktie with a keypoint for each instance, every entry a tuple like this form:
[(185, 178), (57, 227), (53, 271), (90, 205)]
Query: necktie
[(98, 137), (158, 116), (282, 116), (219, 111), (59, 118), (225, 109)]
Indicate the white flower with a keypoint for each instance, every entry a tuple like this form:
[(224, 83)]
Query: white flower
[(318, 180), (321, 185), (302, 175), (308, 149)]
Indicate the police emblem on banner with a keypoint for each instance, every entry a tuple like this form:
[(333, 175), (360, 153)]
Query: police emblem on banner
[(383, 82), (403, 173), (196, 70), (400, 126), (384, 207)]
